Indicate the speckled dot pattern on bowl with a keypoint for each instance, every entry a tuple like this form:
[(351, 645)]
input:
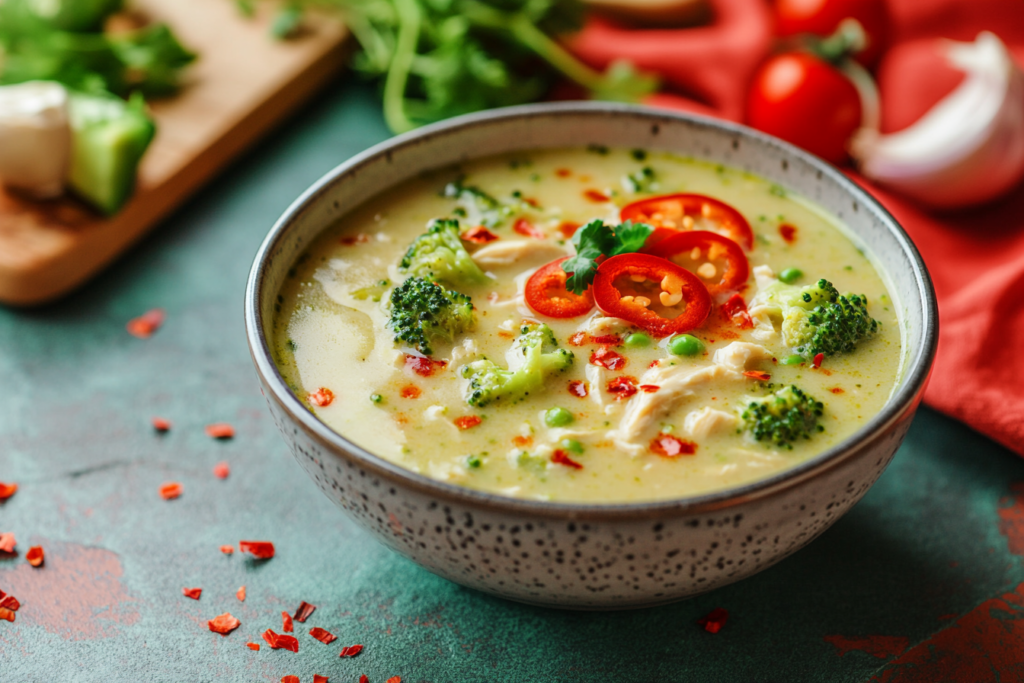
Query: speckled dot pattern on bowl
[(592, 556)]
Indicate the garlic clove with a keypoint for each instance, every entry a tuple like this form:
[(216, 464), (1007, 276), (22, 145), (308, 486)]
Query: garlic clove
[(969, 148), (35, 138)]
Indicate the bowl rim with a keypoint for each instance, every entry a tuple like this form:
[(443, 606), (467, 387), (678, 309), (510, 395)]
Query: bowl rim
[(902, 402)]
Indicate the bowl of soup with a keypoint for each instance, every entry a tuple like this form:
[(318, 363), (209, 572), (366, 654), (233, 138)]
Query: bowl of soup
[(590, 355)]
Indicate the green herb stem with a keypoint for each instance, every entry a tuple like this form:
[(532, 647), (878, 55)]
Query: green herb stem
[(398, 73)]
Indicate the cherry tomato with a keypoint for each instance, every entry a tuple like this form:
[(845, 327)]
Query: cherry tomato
[(703, 253), (652, 293), (804, 100), (546, 293), (689, 212), (822, 18)]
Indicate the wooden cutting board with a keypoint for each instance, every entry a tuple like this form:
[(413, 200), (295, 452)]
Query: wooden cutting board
[(243, 83)]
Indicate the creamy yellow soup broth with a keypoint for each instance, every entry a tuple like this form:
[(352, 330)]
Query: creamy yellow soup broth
[(333, 346)]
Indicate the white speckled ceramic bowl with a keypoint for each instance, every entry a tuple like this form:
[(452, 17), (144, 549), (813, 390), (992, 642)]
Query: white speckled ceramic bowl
[(575, 555)]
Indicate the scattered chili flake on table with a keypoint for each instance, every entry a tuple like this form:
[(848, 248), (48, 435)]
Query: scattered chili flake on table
[(221, 470), (303, 611), (240, 594), (317, 678), (286, 623), (289, 679), (788, 232), (223, 624), (323, 635), (171, 490), (253, 646), (146, 324), (161, 425), (7, 490), (423, 366), (528, 229), (7, 542), (220, 430), (578, 388), (816, 363), (193, 593), (280, 642), (351, 650), (6, 614), (560, 457), (467, 421), (714, 620), (261, 550), (227, 549), (35, 556), (479, 235), (759, 375), (322, 397), (394, 679), (10, 602), (606, 358), (668, 446)]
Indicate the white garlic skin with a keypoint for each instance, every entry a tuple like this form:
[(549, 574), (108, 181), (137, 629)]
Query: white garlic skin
[(967, 149), (35, 138)]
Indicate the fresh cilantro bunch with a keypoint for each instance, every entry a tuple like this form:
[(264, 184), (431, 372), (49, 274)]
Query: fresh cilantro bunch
[(596, 239), (442, 58)]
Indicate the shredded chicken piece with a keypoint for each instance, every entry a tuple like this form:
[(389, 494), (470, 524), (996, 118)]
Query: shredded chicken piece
[(468, 349), (764, 276), (507, 252), (761, 314), (599, 325), (700, 424), (740, 356), (435, 412), (598, 378)]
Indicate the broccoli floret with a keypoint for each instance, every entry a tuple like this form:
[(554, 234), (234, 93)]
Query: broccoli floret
[(438, 254), (783, 417), (818, 319), (481, 208), (533, 356), (422, 311)]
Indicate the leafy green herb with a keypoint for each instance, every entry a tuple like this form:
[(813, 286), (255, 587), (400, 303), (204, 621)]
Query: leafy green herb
[(596, 239)]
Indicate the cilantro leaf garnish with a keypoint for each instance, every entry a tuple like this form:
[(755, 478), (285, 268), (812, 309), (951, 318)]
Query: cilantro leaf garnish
[(595, 240)]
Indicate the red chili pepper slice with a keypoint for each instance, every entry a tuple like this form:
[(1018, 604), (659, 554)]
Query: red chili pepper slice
[(479, 235), (36, 557), (193, 593), (617, 293), (546, 293), (686, 211), (261, 550), (323, 635), (702, 253), (528, 229), (303, 611)]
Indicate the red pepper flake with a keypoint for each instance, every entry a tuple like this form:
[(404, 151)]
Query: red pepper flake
[(668, 446), (322, 397), (317, 678), (7, 490), (161, 425), (223, 624), (253, 646), (227, 549), (351, 650), (759, 375), (323, 635), (560, 457), (423, 366), (714, 621), (649, 388), (563, 172), (578, 339), (171, 490), (596, 196), (622, 387), (467, 421), (522, 441), (35, 556), (788, 233), (816, 363), (290, 679), (479, 235), (10, 602), (528, 229), (146, 324), (303, 611), (578, 388), (6, 614), (286, 623), (394, 679), (364, 679), (352, 240), (7, 542), (240, 594), (837, 390), (279, 642), (606, 358), (735, 309), (221, 470), (261, 550), (654, 364), (193, 593), (411, 391), (220, 430), (568, 228), (582, 338)]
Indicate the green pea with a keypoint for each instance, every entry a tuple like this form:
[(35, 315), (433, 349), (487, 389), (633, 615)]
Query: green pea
[(685, 345), (791, 275), (473, 461), (376, 398), (793, 360), (558, 417), (637, 340), (571, 445)]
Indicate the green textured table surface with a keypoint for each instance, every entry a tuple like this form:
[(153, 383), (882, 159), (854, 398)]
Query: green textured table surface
[(922, 581)]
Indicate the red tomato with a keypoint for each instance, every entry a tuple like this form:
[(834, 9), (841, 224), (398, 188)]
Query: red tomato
[(804, 100), (618, 293), (822, 18), (712, 249), (546, 293), (677, 211)]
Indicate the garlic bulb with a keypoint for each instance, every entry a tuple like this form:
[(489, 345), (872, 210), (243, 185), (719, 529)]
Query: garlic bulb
[(967, 149), (35, 137)]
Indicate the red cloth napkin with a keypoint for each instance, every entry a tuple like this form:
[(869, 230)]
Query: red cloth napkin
[(975, 256)]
